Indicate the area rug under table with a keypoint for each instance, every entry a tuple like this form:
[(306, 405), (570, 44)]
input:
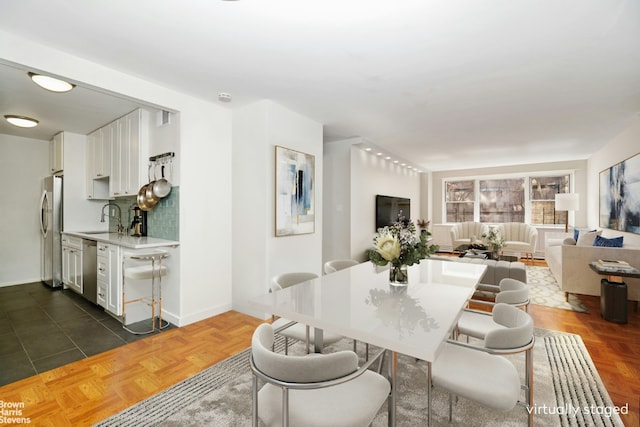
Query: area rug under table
[(544, 290), (567, 392)]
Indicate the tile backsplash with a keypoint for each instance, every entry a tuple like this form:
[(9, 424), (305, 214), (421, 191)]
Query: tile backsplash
[(162, 220)]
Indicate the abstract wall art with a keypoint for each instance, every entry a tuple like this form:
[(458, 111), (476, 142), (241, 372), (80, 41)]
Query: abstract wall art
[(295, 182), (620, 196)]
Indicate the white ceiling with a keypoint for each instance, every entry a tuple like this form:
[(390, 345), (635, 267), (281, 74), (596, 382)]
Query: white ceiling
[(445, 84)]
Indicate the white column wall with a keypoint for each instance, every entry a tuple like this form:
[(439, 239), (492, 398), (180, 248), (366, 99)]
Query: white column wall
[(337, 201), (257, 254)]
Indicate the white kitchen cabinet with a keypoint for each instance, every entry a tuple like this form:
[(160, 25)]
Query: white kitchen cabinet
[(109, 278), (99, 151), (56, 153), (103, 274), (99, 145), (129, 152), (72, 263)]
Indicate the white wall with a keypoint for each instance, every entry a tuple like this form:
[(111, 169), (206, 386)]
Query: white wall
[(623, 146), (336, 230), (372, 175), (353, 178), (163, 139), (199, 286), (23, 164), (257, 254)]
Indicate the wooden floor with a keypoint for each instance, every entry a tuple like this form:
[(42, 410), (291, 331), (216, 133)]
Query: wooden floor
[(84, 392)]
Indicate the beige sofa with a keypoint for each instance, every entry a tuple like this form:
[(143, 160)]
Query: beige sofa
[(569, 264)]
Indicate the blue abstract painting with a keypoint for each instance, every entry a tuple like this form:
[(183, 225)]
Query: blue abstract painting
[(620, 196), (295, 204)]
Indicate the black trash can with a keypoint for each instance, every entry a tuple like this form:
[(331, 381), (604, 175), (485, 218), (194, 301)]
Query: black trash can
[(613, 301)]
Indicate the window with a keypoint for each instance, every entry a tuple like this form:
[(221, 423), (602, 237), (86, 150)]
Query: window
[(502, 200), (460, 200), (495, 199), (543, 192)]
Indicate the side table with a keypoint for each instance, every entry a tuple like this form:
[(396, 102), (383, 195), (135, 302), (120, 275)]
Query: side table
[(613, 291)]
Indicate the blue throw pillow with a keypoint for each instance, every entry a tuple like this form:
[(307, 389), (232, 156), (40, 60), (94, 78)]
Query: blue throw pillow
[(616, 242)]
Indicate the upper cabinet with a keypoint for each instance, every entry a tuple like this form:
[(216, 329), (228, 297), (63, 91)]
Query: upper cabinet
[(129, 149), (117, 152), (99, 145), (56, 150)]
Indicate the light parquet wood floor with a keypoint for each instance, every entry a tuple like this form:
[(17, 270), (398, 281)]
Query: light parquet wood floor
[(84, 392)]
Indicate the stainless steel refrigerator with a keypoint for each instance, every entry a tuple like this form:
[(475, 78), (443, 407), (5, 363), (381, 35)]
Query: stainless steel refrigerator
[(51, 227)]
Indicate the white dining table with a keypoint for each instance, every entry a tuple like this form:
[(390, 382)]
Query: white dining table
[(359, 303)]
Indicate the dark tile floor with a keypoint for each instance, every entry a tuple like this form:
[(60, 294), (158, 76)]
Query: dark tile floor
[(43, 328)]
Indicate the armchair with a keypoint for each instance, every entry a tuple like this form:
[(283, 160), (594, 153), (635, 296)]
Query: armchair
[(462, 232), (322, 390), (519, 238)]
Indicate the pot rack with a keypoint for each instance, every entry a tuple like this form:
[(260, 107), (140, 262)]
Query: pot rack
[(167, 157), (161, 159)]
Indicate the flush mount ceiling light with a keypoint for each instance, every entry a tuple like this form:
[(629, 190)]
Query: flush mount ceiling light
[(224, 97), (50, 83), (21, 121)]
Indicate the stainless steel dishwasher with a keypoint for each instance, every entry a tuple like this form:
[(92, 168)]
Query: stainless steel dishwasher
[(89, 270)]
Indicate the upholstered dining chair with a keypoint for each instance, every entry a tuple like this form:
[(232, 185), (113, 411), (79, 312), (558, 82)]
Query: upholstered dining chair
[(293, 330), (508, 290), (320, 390), (338, 264), (480, 373)]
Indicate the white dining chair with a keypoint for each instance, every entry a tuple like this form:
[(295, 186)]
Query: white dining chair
[(481, 374), (294, 330), (321, 390), (338, 264)]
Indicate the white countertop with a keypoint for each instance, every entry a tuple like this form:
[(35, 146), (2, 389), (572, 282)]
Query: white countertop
[(124, 240)]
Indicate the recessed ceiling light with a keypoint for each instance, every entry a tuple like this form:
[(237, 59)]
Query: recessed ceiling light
[(50, 83), (367, 149), (387, 158), (378, 154), (21, 121), (395, 161)]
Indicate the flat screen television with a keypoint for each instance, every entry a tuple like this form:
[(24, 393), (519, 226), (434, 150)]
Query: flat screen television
[(390, 209)]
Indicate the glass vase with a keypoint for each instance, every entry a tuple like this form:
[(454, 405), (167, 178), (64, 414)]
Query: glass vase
[(398, 275)]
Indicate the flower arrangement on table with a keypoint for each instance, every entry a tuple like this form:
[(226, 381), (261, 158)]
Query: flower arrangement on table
[(493, 239), (399, 245)]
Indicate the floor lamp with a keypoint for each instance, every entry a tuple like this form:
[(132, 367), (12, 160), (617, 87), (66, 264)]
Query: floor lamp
[(567, 202)]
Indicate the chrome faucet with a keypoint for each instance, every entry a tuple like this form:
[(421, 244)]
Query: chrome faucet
[(120, 227)]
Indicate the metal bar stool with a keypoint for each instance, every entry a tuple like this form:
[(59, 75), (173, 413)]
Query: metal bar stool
[(153, 270)]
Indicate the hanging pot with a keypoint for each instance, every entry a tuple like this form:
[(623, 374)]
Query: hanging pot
[(161, 187), (142, 201), (149, 196)]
